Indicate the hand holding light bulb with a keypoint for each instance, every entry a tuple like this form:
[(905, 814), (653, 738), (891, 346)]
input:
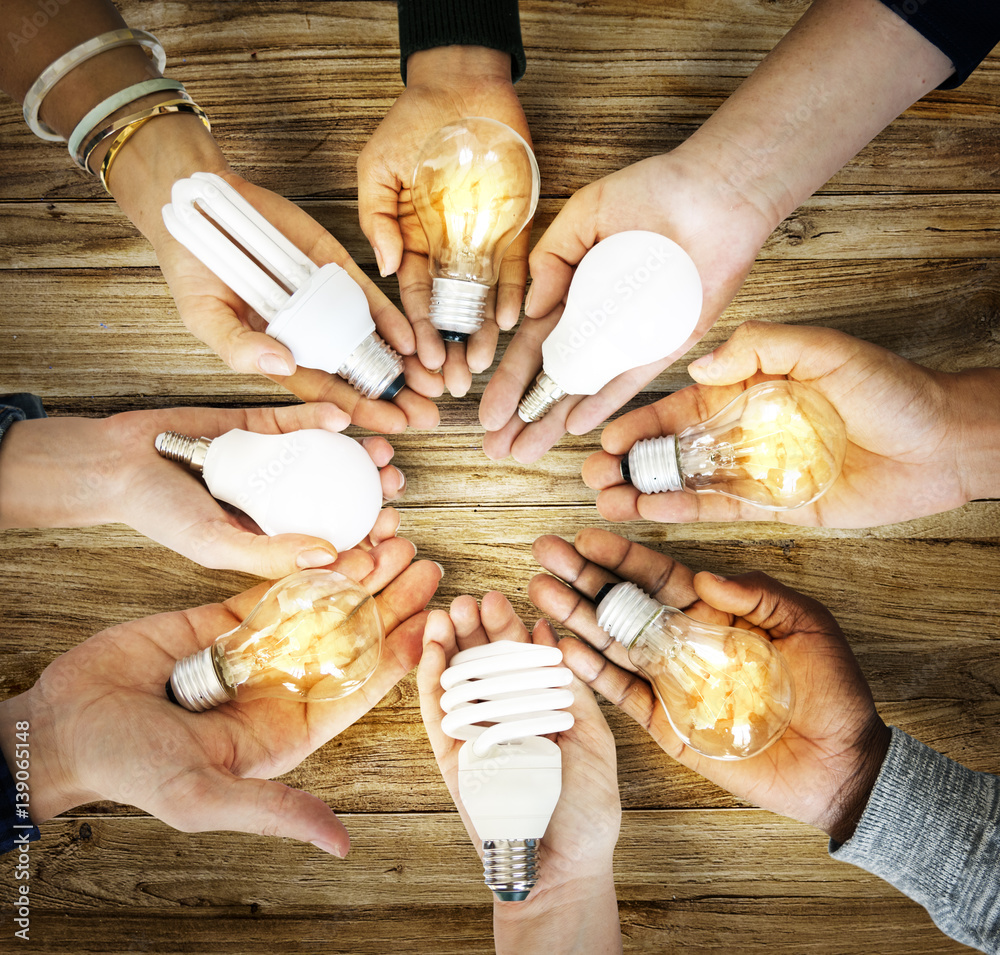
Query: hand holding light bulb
[(572, 907), (823, 767), (102, 727), (76, 472), (918, 441), (443, 85)]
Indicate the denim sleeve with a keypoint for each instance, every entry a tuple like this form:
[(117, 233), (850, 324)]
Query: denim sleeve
[(424, 24), (18, 408), (932, 829), (15, 832), (963, 30)]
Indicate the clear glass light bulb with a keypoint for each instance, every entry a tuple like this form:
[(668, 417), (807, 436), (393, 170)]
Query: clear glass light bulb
[(635, 297), (778, 445), (475, 187), (727, 692), (314, 636), (502, 697), (304, 482), (319, 313)]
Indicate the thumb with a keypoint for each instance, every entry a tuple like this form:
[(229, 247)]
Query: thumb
[(218, 544), (801, 352), (378, 203), (262, 806)]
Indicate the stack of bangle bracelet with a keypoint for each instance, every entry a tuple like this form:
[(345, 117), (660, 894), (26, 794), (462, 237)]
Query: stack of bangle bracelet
[(96, 126)]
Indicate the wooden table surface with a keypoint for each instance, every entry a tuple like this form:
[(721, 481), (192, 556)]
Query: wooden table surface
[(899, 248)]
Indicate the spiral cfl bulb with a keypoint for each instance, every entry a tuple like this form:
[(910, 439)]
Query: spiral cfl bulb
[(313, 482), (635, 297), (727, 692), (314, 636), (475, 187), (779, 445), (320, 314), (509, 775)]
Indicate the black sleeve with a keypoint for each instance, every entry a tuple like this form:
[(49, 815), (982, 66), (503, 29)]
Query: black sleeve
[(963, 30), (424, 24)]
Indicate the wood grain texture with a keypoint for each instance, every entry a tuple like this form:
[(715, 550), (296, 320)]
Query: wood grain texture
[(900, 248)]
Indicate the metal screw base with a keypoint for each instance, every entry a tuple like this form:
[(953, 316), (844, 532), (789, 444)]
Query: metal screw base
[(510, 867), (179, 447), (624, 610), (652, 467), (374, 369), (195, 685), (457, 308), (542, 395)]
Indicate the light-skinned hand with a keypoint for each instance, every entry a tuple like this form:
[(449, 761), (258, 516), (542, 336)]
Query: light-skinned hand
[(572, 907), (669, 194), (443, 84), (822, 769), (102, 727), (919, 441), (78, 472)]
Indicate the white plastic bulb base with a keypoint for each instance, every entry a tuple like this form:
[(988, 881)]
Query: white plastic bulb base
[(624, 610), (327, 325), (457, 308), (652, 467), (195, 684), (543, 395)]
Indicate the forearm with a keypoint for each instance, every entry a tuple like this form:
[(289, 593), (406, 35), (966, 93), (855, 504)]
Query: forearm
[(841, 74), (974, 401), (579, 916)]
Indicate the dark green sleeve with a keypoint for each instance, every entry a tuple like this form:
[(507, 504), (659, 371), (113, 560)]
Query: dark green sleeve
[(424, 24)]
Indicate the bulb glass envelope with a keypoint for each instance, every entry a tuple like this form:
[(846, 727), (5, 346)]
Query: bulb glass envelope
[(315, 635), (475, 187)]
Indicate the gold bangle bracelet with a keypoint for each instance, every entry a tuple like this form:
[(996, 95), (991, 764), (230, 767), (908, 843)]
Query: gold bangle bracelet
[(117, 126), (140, 120)]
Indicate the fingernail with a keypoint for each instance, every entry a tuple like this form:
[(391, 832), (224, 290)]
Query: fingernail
[(330, 848), (272, 364), (527, 298), (402, 480), (703, 362), (379, 263), (720, 578), (315, 558), (440, 567)]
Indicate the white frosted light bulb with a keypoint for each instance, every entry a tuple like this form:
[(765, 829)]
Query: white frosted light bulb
[(635, 297), (778, 445), (314, 636), (509, 776), (727, 692), (475, 187), (320, 314), (311, 482)]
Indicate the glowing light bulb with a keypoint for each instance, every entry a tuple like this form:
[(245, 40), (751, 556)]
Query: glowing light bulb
[(635, 297), (320, 314), (727, 692), (304, 482), (779, 445), (314, 636), (475, 187), (509, 776)]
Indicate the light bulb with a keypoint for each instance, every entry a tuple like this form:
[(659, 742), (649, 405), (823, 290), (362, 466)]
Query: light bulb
[(778, 445), (509, 776), (314, 636), (635, 297), (305, 482), (320, 314), (727, 692), (475, 187)]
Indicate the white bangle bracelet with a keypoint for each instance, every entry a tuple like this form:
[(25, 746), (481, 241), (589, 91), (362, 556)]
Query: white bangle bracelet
[(58, 70)]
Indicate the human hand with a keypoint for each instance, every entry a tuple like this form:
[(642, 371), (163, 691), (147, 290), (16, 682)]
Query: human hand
[(574, 898), (444, 84), (102, 727), (161, 153), (76, 472), (821, 771), (915, 436), (676, 195)]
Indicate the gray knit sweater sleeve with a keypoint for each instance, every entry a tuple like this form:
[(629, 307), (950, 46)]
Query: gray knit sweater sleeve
[(932, 829)]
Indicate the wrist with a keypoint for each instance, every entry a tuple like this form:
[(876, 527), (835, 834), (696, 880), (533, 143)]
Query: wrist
[(973, 398), (454, 67), (868, 755)]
